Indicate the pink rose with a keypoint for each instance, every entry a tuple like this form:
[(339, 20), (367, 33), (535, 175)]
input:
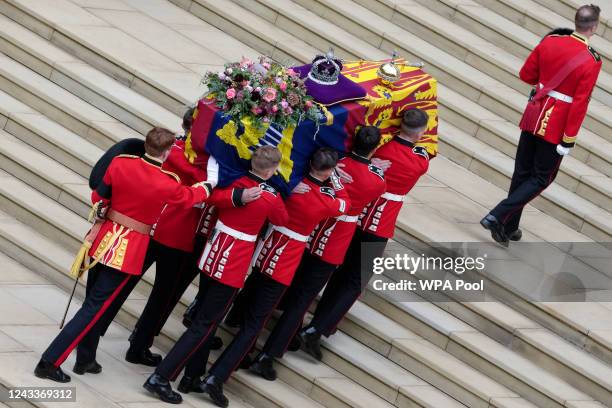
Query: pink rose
[(283, 86), (230, 93), (256, 110), (274, 108), (308, 104), (245, 62), (291, 72), (284, 104), (269, 94), (266, 65)]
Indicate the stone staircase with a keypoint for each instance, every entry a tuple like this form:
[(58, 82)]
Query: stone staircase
[(76, 76)]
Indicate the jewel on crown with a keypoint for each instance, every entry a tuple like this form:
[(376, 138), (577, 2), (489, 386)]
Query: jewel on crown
[(325, 69)]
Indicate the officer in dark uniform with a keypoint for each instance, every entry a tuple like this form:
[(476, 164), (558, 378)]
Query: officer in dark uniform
[(563, 70)]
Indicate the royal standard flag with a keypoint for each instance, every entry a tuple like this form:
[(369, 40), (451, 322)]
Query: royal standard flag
[(232, 144)]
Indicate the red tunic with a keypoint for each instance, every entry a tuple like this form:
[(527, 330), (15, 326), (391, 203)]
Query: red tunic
[(279, 252), (176, 227), (559, 121), (230, 246), (139, 188), (331, 238), (408, 164)]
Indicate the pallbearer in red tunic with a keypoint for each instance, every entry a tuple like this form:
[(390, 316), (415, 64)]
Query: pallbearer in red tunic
[(175, 248), (563, 70), (404, 164), (327, 247), (243, 207), (133, 192), (277, 256)]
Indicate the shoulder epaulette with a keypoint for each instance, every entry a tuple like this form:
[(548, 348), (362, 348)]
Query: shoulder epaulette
[(594, 53), (128, 156), (268, 188), (377, 170), (421, 151), (173, 175), (328, 190)]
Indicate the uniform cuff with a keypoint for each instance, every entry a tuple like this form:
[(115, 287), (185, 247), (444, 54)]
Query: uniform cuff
[(568, 141), (237, 197)]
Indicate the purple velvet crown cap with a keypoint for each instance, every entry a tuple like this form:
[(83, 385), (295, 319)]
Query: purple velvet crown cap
[(329, 94)]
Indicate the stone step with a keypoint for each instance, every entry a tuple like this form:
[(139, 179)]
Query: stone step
[(431, 362), (478, 121), (568, 207), (585, 324), (540, 19), (93, 86), (447, 68), (47, 135), (60, 105), (326, 8), (548, 350), (447, 35), (45, 174), (152, 47), (567, 8), (476, 349)]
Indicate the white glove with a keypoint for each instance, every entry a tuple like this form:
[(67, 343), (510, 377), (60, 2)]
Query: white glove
[(562, 150)]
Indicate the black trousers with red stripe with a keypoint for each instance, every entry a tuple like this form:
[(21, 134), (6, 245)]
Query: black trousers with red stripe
[(107, 289), (256, 302), (348, 281), (175, 270), (191, 349), (309, 279), (535, 168)]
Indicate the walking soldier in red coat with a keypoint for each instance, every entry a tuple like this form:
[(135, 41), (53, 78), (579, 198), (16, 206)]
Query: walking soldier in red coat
[(243, 208), (327, 246), (403, 164), (563, 70), (131, 196), (275, 260)]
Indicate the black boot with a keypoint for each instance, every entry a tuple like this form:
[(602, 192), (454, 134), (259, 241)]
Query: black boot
[(264, 366), (47, 370), (213, 386), (310, 342), (216, 343), (190, 384), (246, 362), (144, 357), (161, 387), (82, 368), (497, 229), (515, 235), (294, 344)]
